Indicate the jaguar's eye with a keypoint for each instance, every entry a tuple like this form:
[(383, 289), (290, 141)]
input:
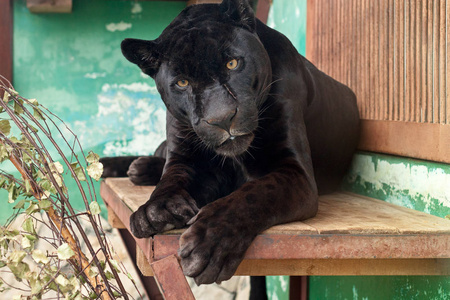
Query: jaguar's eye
[(232, 64), (183, 83)]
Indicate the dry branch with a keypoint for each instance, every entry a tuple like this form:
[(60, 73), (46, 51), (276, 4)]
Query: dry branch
[(61, 213)]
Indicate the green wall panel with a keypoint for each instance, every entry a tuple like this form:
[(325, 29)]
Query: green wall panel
[(277, 287), (72, 64), (416, 184), (289, 17), (379, 288)]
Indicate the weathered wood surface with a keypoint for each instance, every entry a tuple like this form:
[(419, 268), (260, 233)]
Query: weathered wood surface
[(168, 271), (394, 55), (348, 228), (6, 40), (426, 141)]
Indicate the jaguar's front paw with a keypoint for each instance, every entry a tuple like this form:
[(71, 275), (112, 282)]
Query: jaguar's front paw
[(146, 170), (214, 245), (162, 213), (116, 166)]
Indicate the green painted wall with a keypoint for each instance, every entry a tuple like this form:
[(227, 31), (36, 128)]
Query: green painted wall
[(416, 184), (72, 64), (411, 183), (379, 288), (289, 17)]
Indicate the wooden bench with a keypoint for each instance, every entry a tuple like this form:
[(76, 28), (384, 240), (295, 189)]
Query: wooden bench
[(351, 235)]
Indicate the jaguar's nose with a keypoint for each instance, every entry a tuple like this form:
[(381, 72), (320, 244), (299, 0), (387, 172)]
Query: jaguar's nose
[(224, 123)]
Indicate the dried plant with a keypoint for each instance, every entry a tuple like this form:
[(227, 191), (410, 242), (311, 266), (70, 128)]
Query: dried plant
[(35, 141)]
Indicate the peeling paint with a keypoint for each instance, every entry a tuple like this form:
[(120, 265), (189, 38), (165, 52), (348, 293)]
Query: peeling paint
[(94, 75), (355, 293), (277, 287), (143, 75), (284, 282), (133, 116), (406, 182), (136, 8), (121, 26), (133, 87)]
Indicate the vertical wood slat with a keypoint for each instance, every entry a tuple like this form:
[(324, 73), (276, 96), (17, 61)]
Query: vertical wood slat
[(429, 82), (424, 69), (409, 74), (393, 53), (442, 66), (447, 62), (435, 75), (6, 32), (417, 62)]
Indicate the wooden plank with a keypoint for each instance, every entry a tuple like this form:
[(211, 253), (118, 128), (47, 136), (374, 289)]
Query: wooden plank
[(360, 57), (391, 58), (447, 61), (398, 57), (418, 140), (341, 213), (133, 195), (435, 59), (113, 219), (49, 6), (332, 267), (345, 213), (6, 40), (370, 236), (418, 62), (430, 70), (409, 55), (170, 278), (375, 45), (331, 246), (143, 263), (345, 267), (424, 51), (384, 49), (441, 69)]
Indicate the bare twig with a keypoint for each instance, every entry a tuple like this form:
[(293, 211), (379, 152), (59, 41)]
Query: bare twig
[(64, 212)]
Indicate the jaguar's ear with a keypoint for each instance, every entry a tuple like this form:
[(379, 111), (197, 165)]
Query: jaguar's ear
[(240, 12), (142, 53)]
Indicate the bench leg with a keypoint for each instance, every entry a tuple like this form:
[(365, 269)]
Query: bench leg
[(170, 278), (298, 287), (150, 287)]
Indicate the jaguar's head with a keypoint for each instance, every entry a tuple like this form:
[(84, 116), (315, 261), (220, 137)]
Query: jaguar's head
[(212, 72)]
